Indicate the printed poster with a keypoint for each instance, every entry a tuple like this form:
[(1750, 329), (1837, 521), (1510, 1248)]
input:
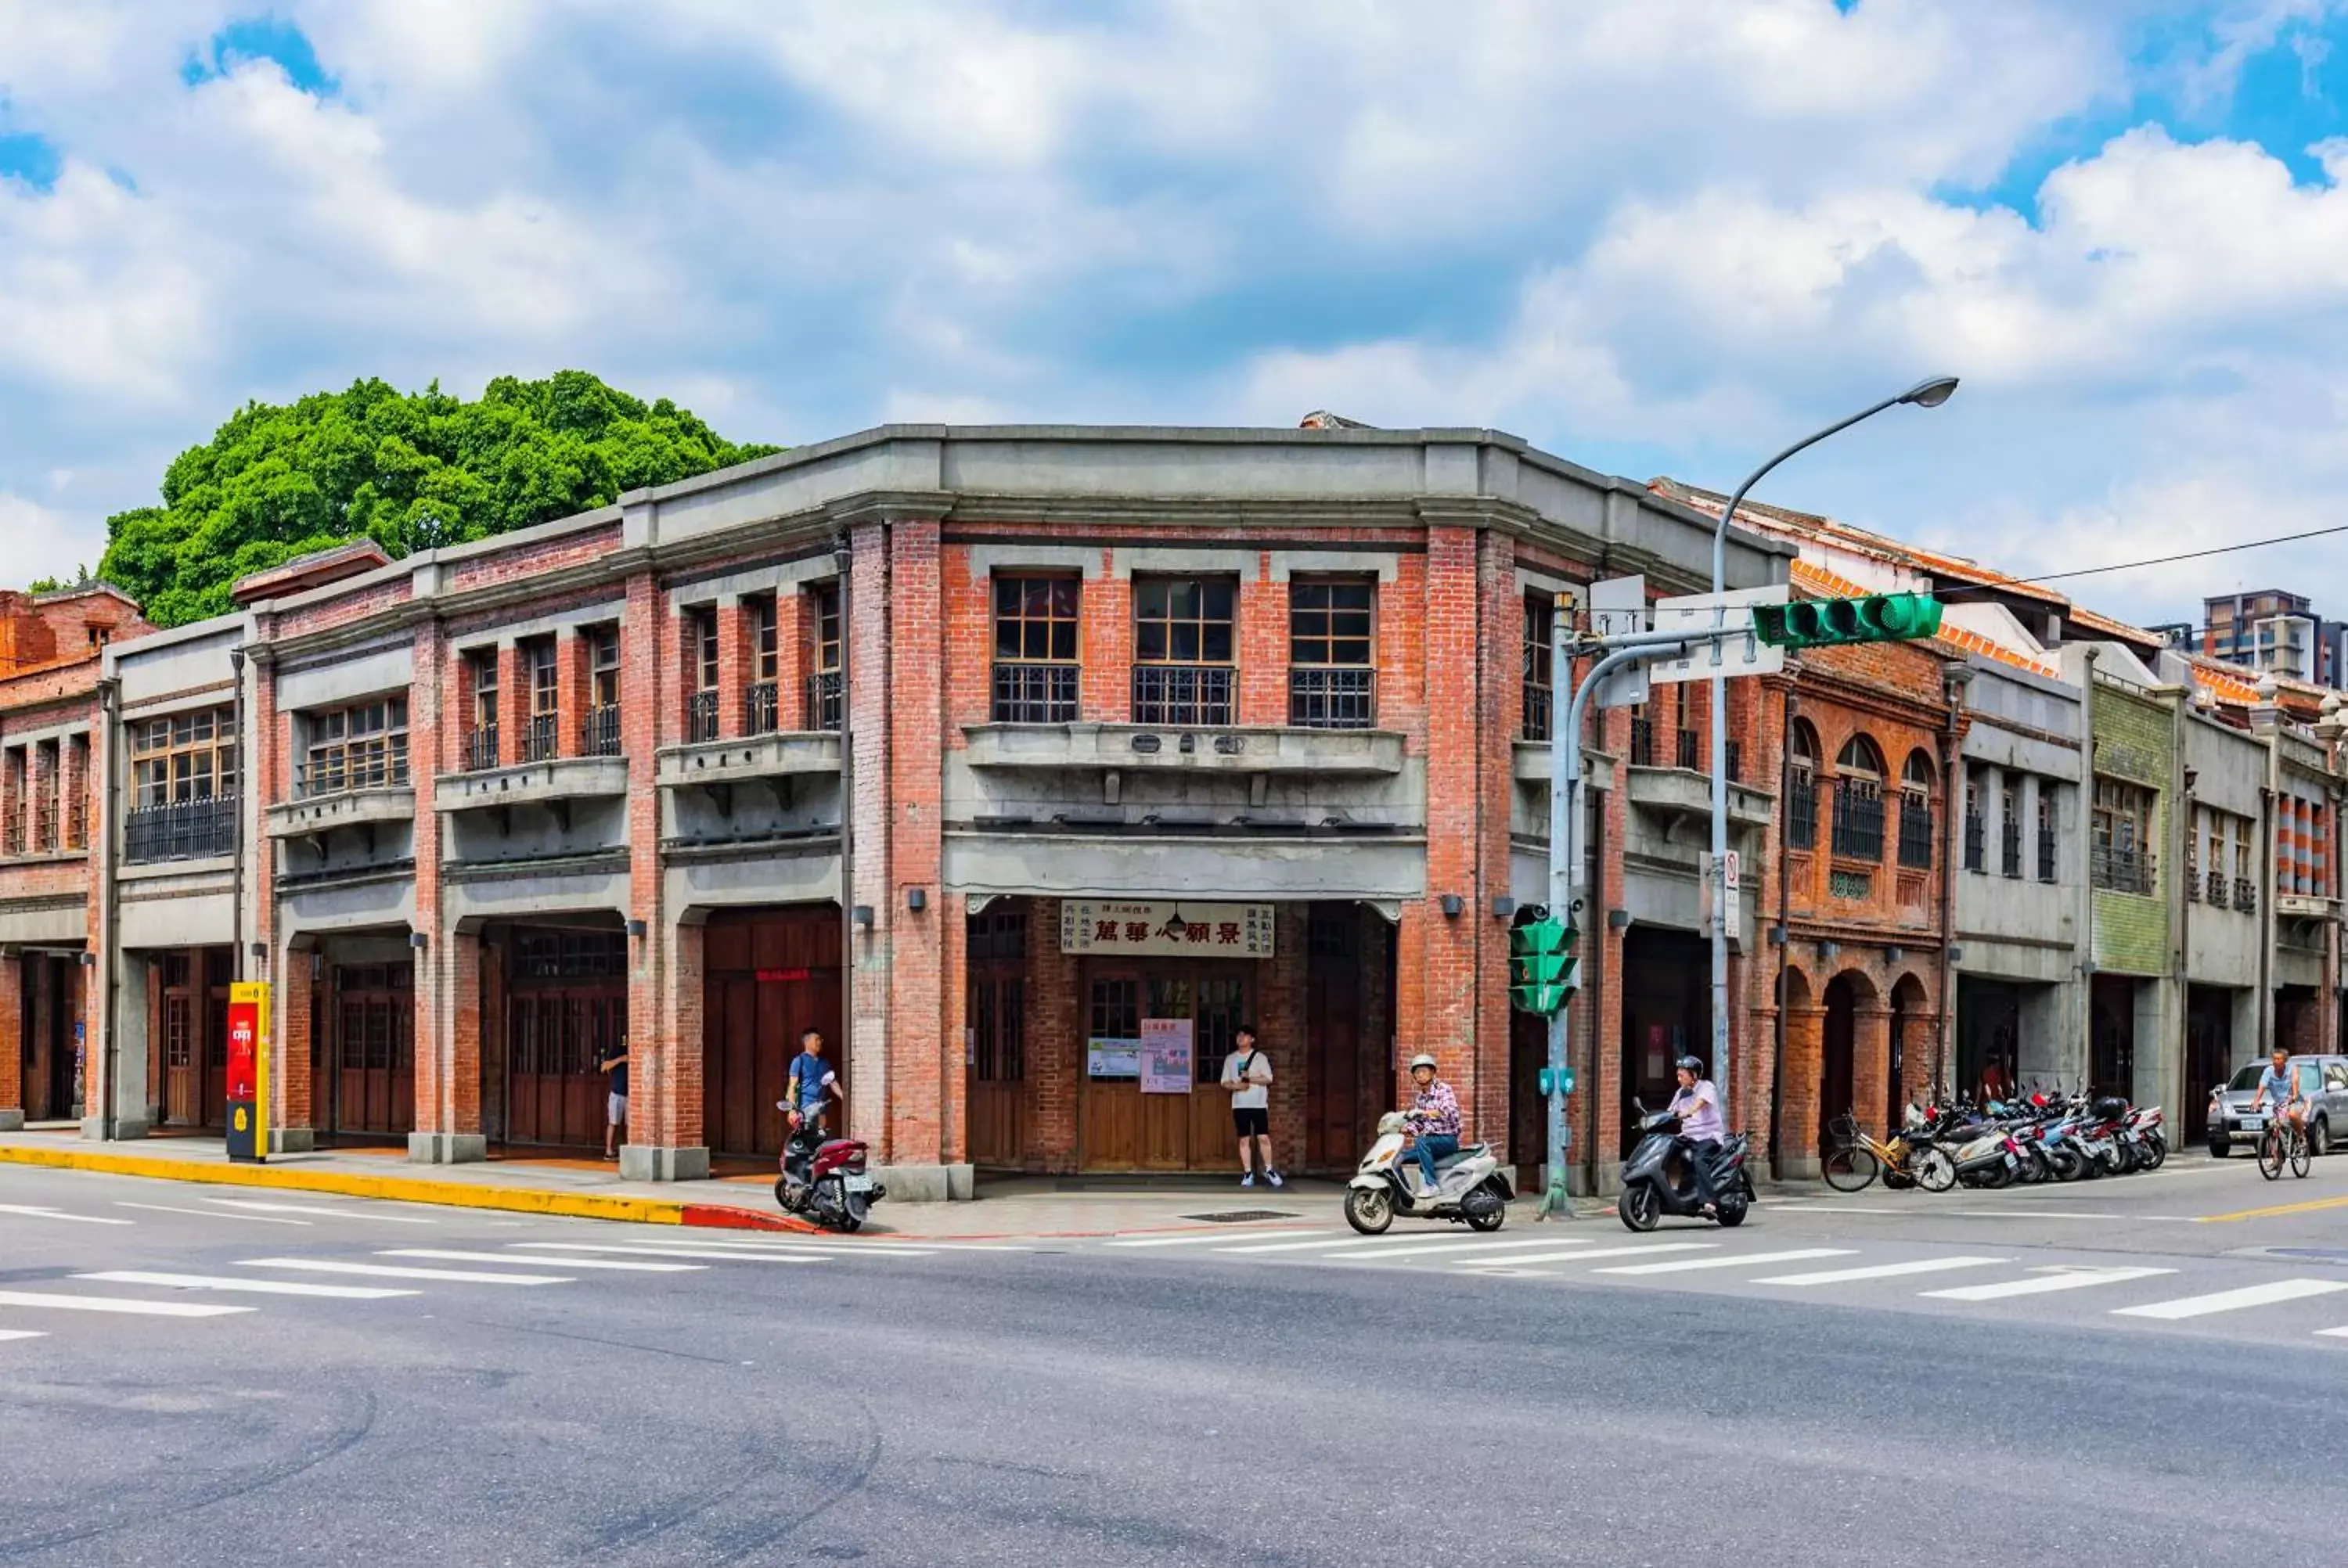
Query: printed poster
[(1107, 1057), (1166, 1056)]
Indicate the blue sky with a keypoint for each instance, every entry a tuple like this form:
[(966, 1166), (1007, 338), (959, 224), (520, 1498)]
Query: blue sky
[(1641, 236)]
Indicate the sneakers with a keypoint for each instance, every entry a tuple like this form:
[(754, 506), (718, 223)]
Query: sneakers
[(1248, 1180), (1275, 1177)]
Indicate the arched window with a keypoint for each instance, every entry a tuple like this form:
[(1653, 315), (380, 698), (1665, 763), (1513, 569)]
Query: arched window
[(1858, 801), (1916, 812), (1802, 787)]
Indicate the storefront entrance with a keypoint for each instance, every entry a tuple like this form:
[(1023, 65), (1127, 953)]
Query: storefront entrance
[(49, 1010), (369, 1011), (769, 975), (566, 1006), (1118, 1126), (190, 1020)]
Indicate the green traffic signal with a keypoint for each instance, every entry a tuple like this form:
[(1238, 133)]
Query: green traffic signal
[(1827, 622), (1543, 973)]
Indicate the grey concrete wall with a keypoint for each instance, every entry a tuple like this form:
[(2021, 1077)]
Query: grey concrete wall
[(375, 673), (1075, 866)]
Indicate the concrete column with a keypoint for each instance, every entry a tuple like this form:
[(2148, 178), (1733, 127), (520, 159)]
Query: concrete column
[(12, 1043), (126, 1091)]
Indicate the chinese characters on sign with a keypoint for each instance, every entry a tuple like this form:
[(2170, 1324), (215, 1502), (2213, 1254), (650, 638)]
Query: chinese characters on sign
[(1167, 931), (1166, 1056)]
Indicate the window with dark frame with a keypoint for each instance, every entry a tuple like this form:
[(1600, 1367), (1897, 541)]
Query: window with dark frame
[(1184, 646), (1976, 830), (362, 746), (600, 725), (1802, 788), (1540, 685), (762, 710), (1333, 678), (1916, 813), (2119, 835), (481, 750), (825, 695), (1858, 801), (184, 786), (700, 652), (1037, 669), (2009, 825), (540, 668), (2047, 830)]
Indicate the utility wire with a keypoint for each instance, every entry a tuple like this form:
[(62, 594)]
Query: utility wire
[(2190, 555)]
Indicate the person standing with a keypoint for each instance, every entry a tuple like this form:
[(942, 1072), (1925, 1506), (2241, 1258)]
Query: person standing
[(1247, 1073), (810, 1080), (613, 1065)]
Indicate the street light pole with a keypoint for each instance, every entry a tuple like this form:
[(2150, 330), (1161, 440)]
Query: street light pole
[(1928, 394)]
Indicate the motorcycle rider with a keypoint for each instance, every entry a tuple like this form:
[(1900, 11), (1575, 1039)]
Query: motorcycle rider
[(1434, 1120), (1697, 1106)]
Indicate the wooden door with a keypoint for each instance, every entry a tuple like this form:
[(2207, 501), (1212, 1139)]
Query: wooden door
[(769, 977), (1223, 1003), (374, 1049), (556, 1035), (1108, 1110), (997, 1013), (183, 1046), (1122, 1128), (1836, 1063), (213, 1015), (1333, 982)]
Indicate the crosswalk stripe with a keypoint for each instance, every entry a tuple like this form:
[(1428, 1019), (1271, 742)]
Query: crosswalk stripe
[(207, 1214), (1190, 1240), (1883, 1271), (391, 1271), (826, 1249), (2333, 1333), (1741, 1260), (2233, 1300), (2042, 1284), (444, 1255), (353, 1212), (566, 1247), (251, 1287), (21, 1333), (117, 1304), (1639, 1250), (1435, 1247), (1316, 1244), (33, 1212)]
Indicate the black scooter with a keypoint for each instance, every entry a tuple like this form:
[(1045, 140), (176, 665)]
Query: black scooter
[(1657, 1179)]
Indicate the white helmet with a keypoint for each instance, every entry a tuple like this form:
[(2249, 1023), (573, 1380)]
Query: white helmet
[(1422, 1059)]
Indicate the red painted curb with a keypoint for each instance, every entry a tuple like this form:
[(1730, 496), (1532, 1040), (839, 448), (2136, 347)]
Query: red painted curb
[(724, 1217)]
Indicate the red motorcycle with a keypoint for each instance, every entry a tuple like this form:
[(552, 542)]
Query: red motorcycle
[(825, 1179)]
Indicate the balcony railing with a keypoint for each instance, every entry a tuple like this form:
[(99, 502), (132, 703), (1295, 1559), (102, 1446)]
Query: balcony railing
[(481, 749), (1859, 819), (1027, 692), (2121, 870), (701, 715), (12, 836), (1915, 831), (1689, 753), (181, 830), (2046, 854), (2192, 881), (1183, 694), (77, 823), (598, 731), (1539, 703), (1802, 810), (1643, 742), (2009, 846), (540, 743), (762, 711), (44, 824), (2217, 889), (1976, 842), (827, 706), (333, 775), (1735, 761), (1333, 697), (2246, 896)]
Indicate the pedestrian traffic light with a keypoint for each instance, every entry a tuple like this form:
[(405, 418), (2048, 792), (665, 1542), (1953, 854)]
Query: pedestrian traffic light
[(1824, 622), (1543, 973)]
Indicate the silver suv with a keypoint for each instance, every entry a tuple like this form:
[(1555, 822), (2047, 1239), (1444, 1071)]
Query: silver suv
[(2323, 1080)]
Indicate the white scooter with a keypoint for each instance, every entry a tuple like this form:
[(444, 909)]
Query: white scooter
[(1469, 1185)]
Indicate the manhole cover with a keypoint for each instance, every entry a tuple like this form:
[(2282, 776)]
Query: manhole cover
[(1240, 1216)]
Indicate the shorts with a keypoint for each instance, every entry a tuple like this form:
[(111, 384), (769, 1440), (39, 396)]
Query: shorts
[(615, 1109), (1252, 1121)]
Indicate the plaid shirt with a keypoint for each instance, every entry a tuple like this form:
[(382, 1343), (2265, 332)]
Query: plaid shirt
[(1436, 1110)]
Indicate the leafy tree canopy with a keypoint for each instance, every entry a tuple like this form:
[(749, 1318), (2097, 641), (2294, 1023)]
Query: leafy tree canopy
[(410, 471)]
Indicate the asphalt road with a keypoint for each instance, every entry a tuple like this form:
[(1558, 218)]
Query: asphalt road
[(754, 1401)]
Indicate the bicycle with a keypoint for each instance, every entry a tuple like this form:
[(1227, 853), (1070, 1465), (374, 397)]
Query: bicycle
[(2283, 1141), (1860, 1159)]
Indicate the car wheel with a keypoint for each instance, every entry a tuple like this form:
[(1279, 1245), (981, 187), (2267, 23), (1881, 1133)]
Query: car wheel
[(2319, 1137), (2220, 1148)]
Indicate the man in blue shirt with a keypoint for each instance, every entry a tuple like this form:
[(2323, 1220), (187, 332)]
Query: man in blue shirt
[(2275, 1088), (810, 1080), (613, 1065)]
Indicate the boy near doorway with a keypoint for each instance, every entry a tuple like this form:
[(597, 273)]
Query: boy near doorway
[(1247, 1073), (614, 1066)]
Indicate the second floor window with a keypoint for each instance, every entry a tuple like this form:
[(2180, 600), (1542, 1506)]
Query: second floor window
[(826, 692), (1976, 830), (2120, 838), (1036, 665), (1916, 813), (701, 674), (2009, 826), (481, 740), (364, 746), (184, 757), (761, 713), (1802, 788), (545, 698), (1183, 649), (1331, 673), (1858, 801), (600, 725), (1540, 687), (2047, 830)]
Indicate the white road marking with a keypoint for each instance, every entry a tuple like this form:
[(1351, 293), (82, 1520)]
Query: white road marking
[(1499, 1263), (2045, 1281), (447, 1256), (1808, 1208), (117, 1304), (1313, 1245), (21, 1333), (754, 1249), (2333, 1333), (1682, 1265), (2233, 1300), (1432, 1248), (207, 1214), (388, 1271), (2036, 1214), (1200, 1240), (566, 1247), (342, 1213), (253, 1286), (1883, 1271), (30, 1211)]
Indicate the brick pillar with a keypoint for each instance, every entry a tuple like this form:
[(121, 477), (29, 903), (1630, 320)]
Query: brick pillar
[(1871, 1064), (1280, 1014), (447, 967), (1262, 637), (1798, 1135), (1056, 1030), (12, 1044), (289, 1028), (1105, 634), (570, 693), (513, 703), (1500, 635), (665, 1138), (733, 663), (679, 1095), (1448, 1014), (794, 658), (871, 829), (913, 943)]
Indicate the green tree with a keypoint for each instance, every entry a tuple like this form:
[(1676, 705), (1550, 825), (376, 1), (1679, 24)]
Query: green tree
[(409, 470)]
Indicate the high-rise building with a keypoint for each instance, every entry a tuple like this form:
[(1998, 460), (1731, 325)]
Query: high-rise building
[(2274, 630)]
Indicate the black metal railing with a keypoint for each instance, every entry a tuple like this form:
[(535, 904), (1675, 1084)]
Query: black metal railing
[(762, 708), (77, 823), (44, 824), (2046, 854), (1028, 692), (1643, 742), (2192, 881), (1687, 752), (181, 830), (2217, 881), (701, 715), (1333, 697), (334, 774), (2009, 846), (2246, 896), (1735, 761), (2121, 870), (1540, 704), (541, 741), (1859, 819), (1802, 810), (12, 836), (827, 706), (1915, 831), (1976, 842), (1183, 693), (481, 749), (598, 731)]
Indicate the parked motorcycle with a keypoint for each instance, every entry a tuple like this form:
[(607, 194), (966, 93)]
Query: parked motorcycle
[(825, 1179), (1470, 1186), (1658, 1181)]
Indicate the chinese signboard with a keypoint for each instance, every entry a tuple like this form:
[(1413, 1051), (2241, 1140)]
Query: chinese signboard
[(1167, 931), (1166, 1056), (248, 1070)]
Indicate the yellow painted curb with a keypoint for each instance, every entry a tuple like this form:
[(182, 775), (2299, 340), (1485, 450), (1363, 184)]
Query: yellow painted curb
[(398, 1189)]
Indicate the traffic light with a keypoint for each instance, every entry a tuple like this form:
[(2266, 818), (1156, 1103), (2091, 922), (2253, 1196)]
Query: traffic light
[(1824, 622), (1543, 973)]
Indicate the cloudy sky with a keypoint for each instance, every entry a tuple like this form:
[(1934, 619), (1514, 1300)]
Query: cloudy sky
[(1656, 236)]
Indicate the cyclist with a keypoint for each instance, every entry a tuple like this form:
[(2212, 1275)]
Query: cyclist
[(2277, 1085)]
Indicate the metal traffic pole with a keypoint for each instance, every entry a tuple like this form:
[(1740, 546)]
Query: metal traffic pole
[(1564, 851)]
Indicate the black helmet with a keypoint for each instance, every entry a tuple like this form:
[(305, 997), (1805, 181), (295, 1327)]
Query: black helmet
[(1690, 1064)]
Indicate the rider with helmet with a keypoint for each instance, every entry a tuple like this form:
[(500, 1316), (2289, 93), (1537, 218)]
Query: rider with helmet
[(1697, 1106), (1433, 1120)]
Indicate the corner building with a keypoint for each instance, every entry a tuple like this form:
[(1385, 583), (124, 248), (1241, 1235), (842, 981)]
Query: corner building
[(1012, 759)]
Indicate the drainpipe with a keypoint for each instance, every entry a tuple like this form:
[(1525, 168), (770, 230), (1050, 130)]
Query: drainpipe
[(109, 706), (843, 556), (244, 781), (1956, 677), (2185, 930), (1784, 933), (2087, 874)]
